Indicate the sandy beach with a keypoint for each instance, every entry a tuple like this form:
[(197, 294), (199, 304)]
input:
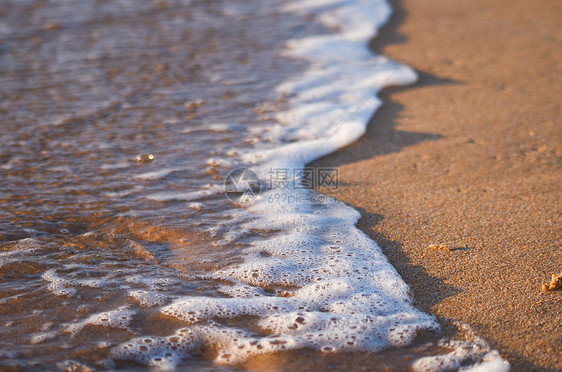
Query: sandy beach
[(469, 157), (124, 242)]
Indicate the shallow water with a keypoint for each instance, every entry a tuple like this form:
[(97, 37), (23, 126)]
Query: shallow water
[(105, 104), (118, 245)]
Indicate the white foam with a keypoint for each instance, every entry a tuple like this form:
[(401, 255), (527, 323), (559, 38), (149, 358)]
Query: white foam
[(170, 195), (61, 286), (344, 294), (58, 285), (157, 174), (320, 283), (186, 196), (40, 337), (153, 283), (474, 355), (147, 298), (162, 352), (119, 318), (119, 165), (195, 206), (19, 249), (331, 104)]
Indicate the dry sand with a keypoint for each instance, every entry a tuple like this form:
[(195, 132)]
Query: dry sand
[(470, 157)]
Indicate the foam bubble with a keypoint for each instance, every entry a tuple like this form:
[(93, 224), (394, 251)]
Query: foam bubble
[(195, 206), (119, 318), (153, 283), (473, 355), (148, 298), (40, 337), (163, 352), (61, 286), (58, 285)]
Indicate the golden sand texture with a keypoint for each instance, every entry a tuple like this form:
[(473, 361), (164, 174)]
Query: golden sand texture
[(470, 156)]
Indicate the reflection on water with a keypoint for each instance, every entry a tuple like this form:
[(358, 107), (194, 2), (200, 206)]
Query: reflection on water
[(110, 112)]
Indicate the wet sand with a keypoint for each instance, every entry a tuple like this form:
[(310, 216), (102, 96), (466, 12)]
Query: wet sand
[(469, 157)]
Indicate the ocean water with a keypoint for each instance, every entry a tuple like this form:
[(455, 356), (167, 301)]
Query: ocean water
[(156, 207)]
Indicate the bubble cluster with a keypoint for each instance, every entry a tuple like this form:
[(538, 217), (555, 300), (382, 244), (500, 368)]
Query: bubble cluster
[(318, 282), (119, 318), (58, 285), (321, 284), (465, 355), (148, 298), (164, 352)]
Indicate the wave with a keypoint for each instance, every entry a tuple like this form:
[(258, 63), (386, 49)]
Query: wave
[(318, 282)]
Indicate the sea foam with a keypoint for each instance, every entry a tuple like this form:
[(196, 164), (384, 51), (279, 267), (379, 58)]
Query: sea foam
[(319, 283), (334, 289)]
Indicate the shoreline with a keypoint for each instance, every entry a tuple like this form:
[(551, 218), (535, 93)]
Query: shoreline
[(469, 157)]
